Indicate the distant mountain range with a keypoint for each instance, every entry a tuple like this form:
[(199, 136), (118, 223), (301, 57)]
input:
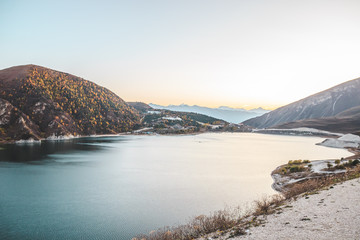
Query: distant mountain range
[(233, 115), (163, 121), (336, 109), (37, 102)]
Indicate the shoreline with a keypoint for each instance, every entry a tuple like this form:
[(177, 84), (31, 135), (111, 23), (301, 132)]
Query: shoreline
[(323, 211), (140, 133), (327, 210), (283, 182), (293, 206)]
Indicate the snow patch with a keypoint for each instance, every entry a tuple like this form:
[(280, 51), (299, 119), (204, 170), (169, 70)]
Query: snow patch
[(143, 129), (153, 112), (28, 141), (336, 143), (172, 118), (314, 130), (350, 138), (319, 166), (39, 107), (60, 138), (300, 131)]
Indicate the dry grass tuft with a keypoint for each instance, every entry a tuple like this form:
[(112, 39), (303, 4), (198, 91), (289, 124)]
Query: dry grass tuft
[(266, 205), (199, 226)]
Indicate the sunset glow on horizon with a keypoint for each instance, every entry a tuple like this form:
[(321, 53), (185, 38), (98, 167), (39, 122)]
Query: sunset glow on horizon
[(241, 54)]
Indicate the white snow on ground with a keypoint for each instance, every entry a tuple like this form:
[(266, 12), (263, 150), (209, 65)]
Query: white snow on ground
[(210, 125), (345, 141), (314, 130), (60, 138), (153, 112), (172, 118), (300, 130), (28, 141), (336, 143), (319, 165), (143, 129), (215, 126), (350, 138)]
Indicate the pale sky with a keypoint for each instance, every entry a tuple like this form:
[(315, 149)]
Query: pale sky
[(212, 53)]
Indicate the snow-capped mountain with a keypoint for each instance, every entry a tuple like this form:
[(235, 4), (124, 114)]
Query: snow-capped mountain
[(233, 115), (331, 103)]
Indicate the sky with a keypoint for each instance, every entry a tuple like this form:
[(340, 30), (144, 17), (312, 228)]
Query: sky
[(237, 53)]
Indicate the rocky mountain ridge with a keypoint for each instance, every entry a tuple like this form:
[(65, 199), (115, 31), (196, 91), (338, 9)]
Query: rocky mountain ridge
[(330, 105), (233, 115)]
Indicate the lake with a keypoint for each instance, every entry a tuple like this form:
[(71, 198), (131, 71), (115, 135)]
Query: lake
[(118, 187)]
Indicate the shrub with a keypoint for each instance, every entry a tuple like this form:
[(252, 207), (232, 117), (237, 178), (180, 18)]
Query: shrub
[(329, 165), (199, 226), (295, 162), (337, 161), (297, 169), (340, 166), (299, 188), (355, 162), (265, 204)]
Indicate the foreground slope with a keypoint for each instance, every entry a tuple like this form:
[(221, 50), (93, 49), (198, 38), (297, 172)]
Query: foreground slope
[(58, 103), (329, 214), (329, 103)]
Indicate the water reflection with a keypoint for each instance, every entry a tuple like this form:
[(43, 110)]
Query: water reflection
[(117, 187), (45, 150)]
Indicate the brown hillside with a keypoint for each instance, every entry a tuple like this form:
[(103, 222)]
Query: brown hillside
[(62, 104)]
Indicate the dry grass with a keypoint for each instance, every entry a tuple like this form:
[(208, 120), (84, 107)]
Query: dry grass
[(266, 205), (320, 182), (199, 226)]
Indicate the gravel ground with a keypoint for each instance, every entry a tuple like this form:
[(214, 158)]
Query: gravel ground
[(331, 214)]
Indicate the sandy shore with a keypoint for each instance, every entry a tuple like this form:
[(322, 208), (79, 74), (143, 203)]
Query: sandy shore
[(330, 214)]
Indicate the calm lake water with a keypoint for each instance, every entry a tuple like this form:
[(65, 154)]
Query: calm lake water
[(117, 187)]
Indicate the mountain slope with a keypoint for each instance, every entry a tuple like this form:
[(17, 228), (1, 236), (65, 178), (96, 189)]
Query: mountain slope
[(344, 122), (233, 115), (327, 103), (15, 123), (62, 104), (140, 106)]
